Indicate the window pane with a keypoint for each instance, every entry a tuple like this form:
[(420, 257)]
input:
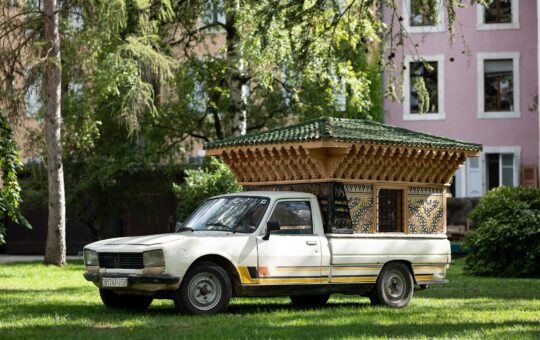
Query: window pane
[(474, 162), (508, 176), (293, 217), (498, 85), (390, 210), (428, 71), (507, 160), (420, 14), (492, 170), (499, 11)]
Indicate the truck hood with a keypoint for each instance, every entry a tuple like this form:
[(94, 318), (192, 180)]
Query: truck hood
[(147, 240), (150, 240)]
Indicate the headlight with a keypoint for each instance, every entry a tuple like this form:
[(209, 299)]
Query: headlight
[(154, 258), (91, 258)]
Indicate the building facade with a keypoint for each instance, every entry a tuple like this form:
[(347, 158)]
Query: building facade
[(482, 88)]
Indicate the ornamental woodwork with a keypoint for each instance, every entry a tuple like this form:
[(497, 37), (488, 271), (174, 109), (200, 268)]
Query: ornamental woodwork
[(344, 162)]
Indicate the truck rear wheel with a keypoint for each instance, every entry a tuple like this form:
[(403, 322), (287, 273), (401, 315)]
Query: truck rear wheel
[(310, 300), (394, 287), (206, 289), (112, 300)]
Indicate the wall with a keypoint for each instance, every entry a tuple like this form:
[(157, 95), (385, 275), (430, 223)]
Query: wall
[(460, 82)]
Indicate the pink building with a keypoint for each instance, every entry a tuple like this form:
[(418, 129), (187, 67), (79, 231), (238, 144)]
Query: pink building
[(482, 88)]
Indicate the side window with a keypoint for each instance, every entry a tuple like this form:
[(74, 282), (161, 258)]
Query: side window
[(294, 217), (390, 210)]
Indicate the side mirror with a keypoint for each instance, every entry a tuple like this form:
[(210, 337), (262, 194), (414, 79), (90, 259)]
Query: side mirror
[(270, 227)]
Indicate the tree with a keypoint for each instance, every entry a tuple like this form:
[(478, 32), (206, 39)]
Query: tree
[(111, 60), (247, 65), (212, 179), (55, 250), (10, 194)]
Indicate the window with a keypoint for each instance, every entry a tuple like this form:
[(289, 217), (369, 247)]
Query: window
[(428, 71), (340, 87), (230, 213), (294, 217), (416, 18), (431, 70), (499, 14), (33, 99), (498, 165), (499, 11), (390, 210), (499, 170), (498, 85), (213, 14)]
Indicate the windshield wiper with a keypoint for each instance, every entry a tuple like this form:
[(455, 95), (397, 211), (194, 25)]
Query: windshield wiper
[(182, 228), (218, 224)]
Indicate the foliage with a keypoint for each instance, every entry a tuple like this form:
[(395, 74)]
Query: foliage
[(10, 191), (213, 178), (64, 305), (507, 239)]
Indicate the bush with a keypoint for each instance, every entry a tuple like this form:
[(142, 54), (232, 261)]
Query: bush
[(213, 178), (507, 239)]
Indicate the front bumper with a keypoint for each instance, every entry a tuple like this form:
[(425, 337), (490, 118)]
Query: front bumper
[(135, 278)]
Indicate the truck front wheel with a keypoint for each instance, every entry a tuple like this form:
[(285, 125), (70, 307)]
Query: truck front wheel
[(206, 289), (394, 286)]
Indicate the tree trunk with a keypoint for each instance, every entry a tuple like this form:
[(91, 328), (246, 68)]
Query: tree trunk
[(236, 79), (55, 251)]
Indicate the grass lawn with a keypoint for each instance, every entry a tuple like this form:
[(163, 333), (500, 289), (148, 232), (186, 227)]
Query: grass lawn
[(49, 302)]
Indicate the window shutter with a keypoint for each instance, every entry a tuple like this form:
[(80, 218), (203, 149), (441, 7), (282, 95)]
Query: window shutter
[(529, 175), (474, 177)]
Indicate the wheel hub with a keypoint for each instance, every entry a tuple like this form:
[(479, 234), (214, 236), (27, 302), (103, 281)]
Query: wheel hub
[(395, 286), (204, 291)]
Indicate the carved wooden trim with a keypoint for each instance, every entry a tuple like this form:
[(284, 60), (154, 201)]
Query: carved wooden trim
[(344, 162)]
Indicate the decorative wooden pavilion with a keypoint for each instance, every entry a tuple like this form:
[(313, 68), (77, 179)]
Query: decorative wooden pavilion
[(351, 164)]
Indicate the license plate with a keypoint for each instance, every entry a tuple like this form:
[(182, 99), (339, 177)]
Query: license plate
[(114, 282)]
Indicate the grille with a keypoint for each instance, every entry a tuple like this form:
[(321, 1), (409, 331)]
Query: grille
[(121, 260)]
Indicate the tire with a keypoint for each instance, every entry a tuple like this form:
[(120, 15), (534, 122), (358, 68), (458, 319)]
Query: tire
[(206, 289), (136, 302), (373, 298), (309, 300), (394, 287)]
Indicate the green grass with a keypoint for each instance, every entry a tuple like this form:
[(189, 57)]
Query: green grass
[(49, 302)]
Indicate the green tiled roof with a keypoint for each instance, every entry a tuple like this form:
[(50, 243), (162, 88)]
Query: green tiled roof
[(344, 130)]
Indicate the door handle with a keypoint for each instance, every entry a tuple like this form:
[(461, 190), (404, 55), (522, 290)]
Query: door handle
[(311, 243)]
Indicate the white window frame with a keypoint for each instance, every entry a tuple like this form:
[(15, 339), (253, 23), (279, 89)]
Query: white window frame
[(515, 150), (514, 25), (406, 12), (407, 115), (480, 58)]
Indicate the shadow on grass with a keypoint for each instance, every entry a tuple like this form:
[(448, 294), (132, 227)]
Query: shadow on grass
[(261, 328), (276, 318)]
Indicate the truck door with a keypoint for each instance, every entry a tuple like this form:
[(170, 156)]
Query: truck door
[(292, 255)]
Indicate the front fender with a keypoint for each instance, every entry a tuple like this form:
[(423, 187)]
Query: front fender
[(239, 250)]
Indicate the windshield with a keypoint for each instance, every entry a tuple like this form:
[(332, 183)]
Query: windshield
[(236, 214)]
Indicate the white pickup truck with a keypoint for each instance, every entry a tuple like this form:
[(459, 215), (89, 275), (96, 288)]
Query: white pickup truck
[(262, 244)]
